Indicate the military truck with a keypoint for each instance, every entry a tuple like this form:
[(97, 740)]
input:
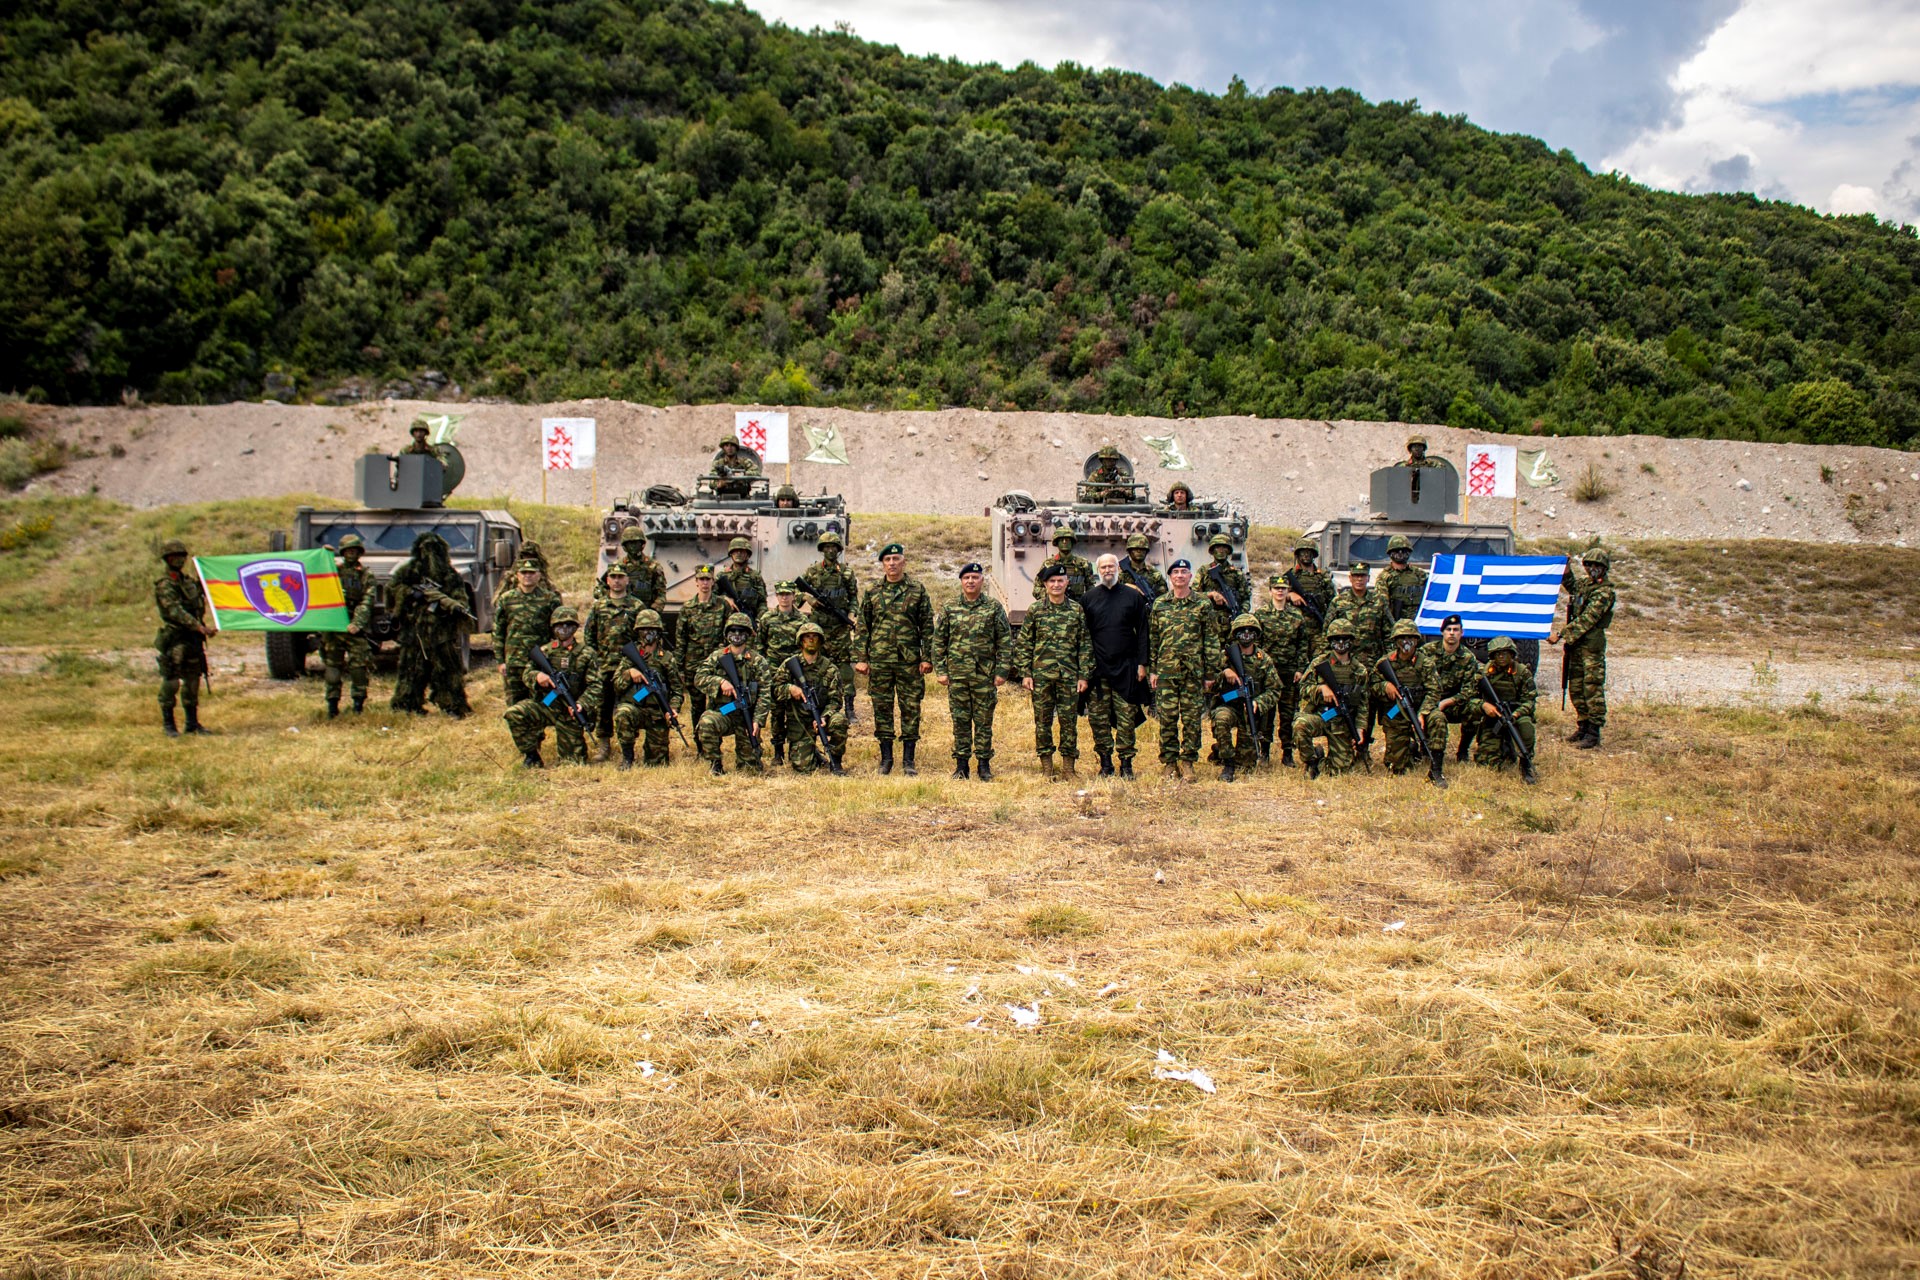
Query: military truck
[(1103, 514), (685, 532), (402, 497)]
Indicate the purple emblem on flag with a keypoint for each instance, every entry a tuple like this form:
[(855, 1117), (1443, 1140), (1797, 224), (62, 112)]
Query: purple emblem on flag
[(277, 589)]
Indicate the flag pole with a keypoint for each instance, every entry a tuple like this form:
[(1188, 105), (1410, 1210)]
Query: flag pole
[(593, 480)]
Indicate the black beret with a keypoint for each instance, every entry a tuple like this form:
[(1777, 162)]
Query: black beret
[(1049, 572), (972, 566), (1451, 620), (1182, 563)]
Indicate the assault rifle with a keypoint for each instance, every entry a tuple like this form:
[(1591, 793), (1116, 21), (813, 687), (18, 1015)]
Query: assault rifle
[(1246, 693), (1141, 583), (652, 686), (560, 692), (797, 672), (1520, 752), (1403, 705), (744, 694), (1220, 584), (437, 598), (1345, 712), (723, 586), (1306, 601), (821, 602)]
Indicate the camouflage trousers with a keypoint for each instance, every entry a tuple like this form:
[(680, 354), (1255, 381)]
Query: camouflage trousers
[(1280, 720), (710, 735), (1309, 724), (181, 666), (528, 721), (1056, 698), (430, 673), (1180, 702), (1493, 748), (971, 700), (1397, 727), (1113, 720), (891, 683), (1237, 745), (803, 745), (1435, 722), (1587, 683), (348, 655), (632, 718)]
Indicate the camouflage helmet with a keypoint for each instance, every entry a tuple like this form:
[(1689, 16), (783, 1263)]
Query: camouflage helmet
[(1597, 555), (1179, 486), (1398, 542), (1501, 644), (1137, 542), (353, 542), (172, 547), (738, 621), (786, 491), (1340, 629), (730, 440), (1307, 546), (831, 538), (1416, 440), (1405, 629), (812, 629), (647, 619), (566, 613), (1243, 621), (632, 533), (739, 544), (1063, 531), (1219, 540), (1108, 451)]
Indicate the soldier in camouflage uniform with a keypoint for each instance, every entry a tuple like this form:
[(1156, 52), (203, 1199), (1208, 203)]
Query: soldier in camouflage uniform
[(894, 650), (1240, 749), (740, 583), (1079, 569), (1417, 454), (780, 639), (610, 624), (1287, 637), (1108, 481), (832, 582), (803, 742), (1403, 650), (1449, 672), (419, 443), (646, 577), (348, 653), (1184, 652), (641, 708), (1589, 614), (1053, 655), (1366, 609), (732, 465), (1309, 588), (428, 594), (180, 646), (972, 653), (1135, 570), (576, 664), (1180, 496), (1221, 577), (1335, 679), (703, 624), (728, 711), (786, 498), (1403, 585), (1514, 683), (526, 620)]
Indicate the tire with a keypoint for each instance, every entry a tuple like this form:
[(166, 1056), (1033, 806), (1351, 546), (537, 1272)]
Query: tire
[(286, 655)]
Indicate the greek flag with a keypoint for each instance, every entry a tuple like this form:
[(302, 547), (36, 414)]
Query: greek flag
[(1494, 595)]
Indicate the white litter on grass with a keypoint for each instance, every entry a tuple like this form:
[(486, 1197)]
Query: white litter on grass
[(1028, 1017), (1171, 1070), (1026, 969), (647, 1069), (962, 1191), (1107, 990), (1066, 978), (1159, 876), (1669, 818), (291, 729), (1393, 926), (975, 1025), (754, 1025), (803, 1002), (973, 992)]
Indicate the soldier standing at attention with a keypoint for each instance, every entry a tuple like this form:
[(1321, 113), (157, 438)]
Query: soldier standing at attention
[(703, 625), (524, 585), (1078, 569), (429, 596), (1403, 585), (610, 624), (1288, 639), (894, 651), (737, 682), (1222, 577), (1117, 614), (1450, 673), (740, 582), (1053, 655), (575, 663), (529, 623), (1514, 683), (972, 652), (780, 640), (1239, 748), (1183, 653), (348, 652), (1138, 574), (646, 577), (803, 741), (1336, 680), (832, 582), (180, 647), (1309, 588), (1589, 614), (644, 710)]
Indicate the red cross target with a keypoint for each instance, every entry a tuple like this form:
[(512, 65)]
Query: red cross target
[(566, 444), (1480, 477), (1490, 470)]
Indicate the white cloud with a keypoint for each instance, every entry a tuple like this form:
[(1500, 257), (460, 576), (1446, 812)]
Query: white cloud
[(1774, 50), (970, 30), (1848, 198)]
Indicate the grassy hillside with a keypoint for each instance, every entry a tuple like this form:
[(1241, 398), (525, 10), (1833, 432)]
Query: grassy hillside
[(667, 199)]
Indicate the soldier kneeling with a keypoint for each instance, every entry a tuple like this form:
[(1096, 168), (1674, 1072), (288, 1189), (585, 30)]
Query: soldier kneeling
[(810, 674), (736, 681), (1510, 678), (1238, 711), (647, 697), (1330, 705), (574, 664)]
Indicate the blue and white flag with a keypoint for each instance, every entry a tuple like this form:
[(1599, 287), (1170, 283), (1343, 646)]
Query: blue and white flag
[(1494, 595)]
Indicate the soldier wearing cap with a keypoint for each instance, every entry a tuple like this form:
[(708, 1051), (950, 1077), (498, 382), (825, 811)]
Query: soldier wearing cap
[(1053, 656), (1078, 569), (521, 621), (1309, 587), (972, 654), (835, 596), (349, 653), (740, 582), (803, 740), (642, 707), (894, 650), (1335, 681), (1366, 609), (1404, 655), (1589, 614), (1417, 454), (1402, 584), (610, 623), (1512, 680), (1183, 653), (739, 685), (778, 640), (702, 629), (180, 646), (1288, 639), (1239, 748), (646, 576), (578, 667), (1137, 573)]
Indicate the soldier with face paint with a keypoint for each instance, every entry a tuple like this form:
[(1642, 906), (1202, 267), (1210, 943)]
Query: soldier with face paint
[(738, 683)]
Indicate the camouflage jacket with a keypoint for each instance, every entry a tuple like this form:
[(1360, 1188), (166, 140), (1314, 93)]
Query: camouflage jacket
[(614, 666), (754, 670), (1424, 462), (529, 621), (744, 463), (1515, 688), (1368, 614), (1053, 643), (973, 640), (1446, 675), (1403, 589), (823, 673), (1080, 574), (745, 585), (1234, 577), (1152, 583), (1589, 610), (182, 603), (1261, 670), (578, 664), (426, 615), (1287, 636), (646, 581), (701, 629), (835, 584), (610, 623), (1349, 679), (779, 634), (354, 583), (1182, 638), (1315, 586), (896, 623), (1412, 674)]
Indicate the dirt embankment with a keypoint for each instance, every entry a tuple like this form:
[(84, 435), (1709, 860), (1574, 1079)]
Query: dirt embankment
[(1286, 472)]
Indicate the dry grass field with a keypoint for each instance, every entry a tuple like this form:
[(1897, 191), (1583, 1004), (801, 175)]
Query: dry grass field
[(361, 999)]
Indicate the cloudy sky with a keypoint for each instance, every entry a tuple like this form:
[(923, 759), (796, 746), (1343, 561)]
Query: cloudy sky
[(1816, 101)]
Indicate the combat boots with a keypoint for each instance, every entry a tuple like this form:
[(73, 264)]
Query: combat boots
[(1106, 764), (1527, 775), (1126, 770), (906, 757), (985, 771), (1310, 758), (1434, 774), (194, 725), (1579, 731), (1066, 767), (1286, 757), (333, 708), (359, 704), (532, 760), (1046, 768), (851, 718), (835, 768), (886, 757), (1227, 772), (626, 755), (167, 724), (960, 769), (1585, 742), (715, 768)]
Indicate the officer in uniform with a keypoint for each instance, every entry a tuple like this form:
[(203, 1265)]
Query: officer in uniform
[(576, 664), (830, 581), (703, 624), (1054, 656), (1079, 569), (180, 646), (1288, 639), (1450, 673), (803, 740), (349, 653), (740, 582), (641, 707), (525, 620), (1514, 683), (728, 711), (1589, 614), (1184, 652), (1239, 747), (894, 650), (972, 653), (780, 640)]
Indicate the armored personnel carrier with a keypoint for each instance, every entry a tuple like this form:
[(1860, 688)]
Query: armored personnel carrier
[(1109, 506), (685, 532), (401, 497)]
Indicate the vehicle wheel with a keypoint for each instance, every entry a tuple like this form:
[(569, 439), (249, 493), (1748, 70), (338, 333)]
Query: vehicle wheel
[(286, 655)]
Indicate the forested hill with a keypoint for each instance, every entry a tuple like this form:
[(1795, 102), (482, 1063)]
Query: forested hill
[(672, 201)]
